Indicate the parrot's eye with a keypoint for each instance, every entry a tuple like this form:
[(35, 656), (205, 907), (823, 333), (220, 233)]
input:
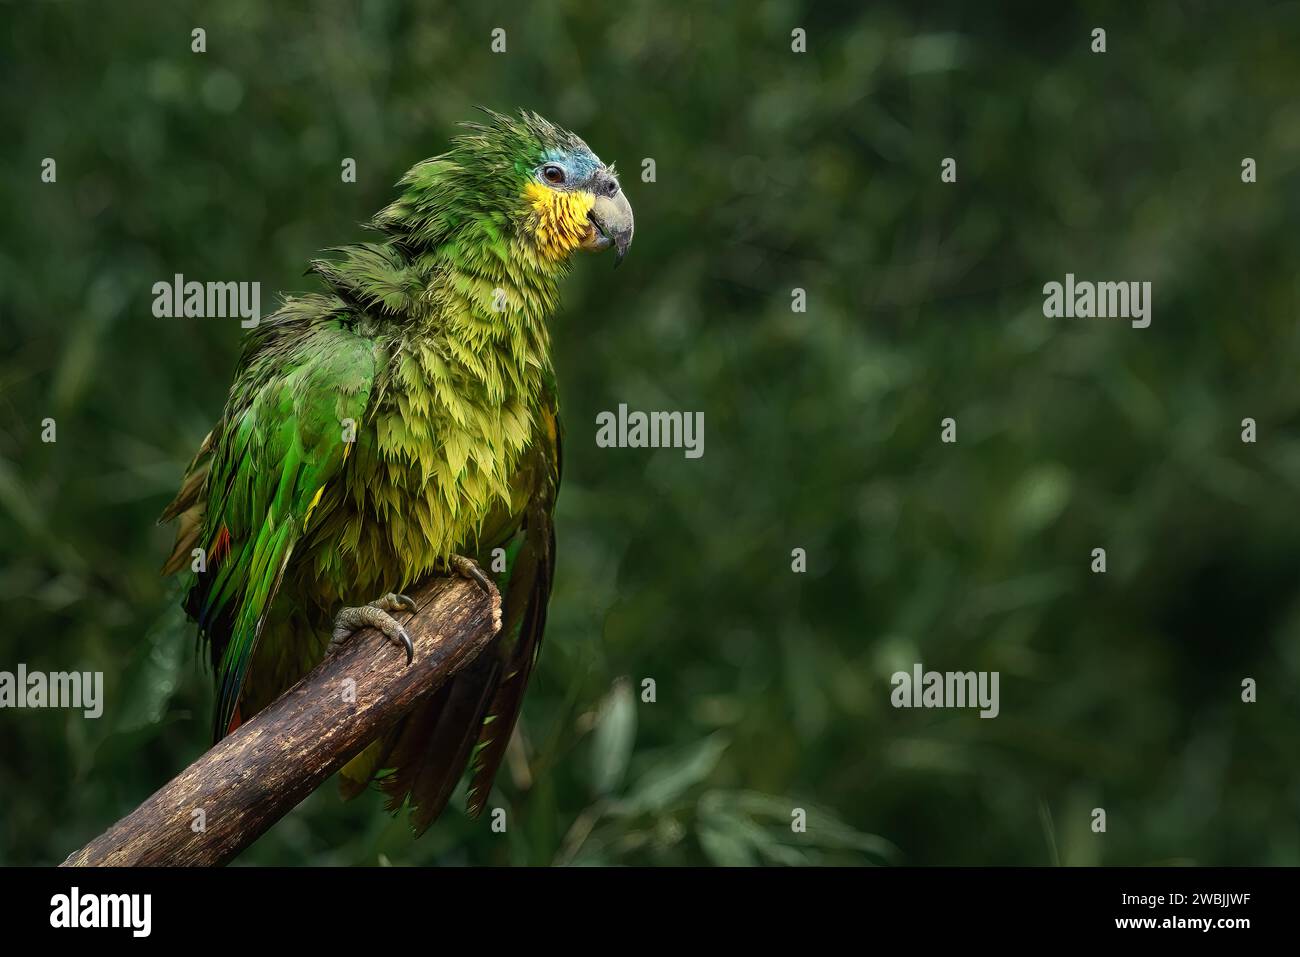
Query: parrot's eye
[(553, 174)]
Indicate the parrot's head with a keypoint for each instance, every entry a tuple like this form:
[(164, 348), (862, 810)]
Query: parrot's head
[(522, 175), (574, 201), (564, 198)]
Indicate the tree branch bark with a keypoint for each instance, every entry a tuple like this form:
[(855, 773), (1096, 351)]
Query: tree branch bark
[(252, 778)]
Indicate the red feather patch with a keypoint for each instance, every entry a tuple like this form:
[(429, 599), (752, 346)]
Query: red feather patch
[(221, 547)]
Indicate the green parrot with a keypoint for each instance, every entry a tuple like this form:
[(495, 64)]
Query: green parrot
[(400, 424)]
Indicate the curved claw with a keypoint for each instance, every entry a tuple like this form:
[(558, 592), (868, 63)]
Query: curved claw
[(469, 569), (481, 579), (376, 615)]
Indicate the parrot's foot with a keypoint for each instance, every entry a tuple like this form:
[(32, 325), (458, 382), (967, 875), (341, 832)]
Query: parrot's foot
[(468, 568), (375, 615)]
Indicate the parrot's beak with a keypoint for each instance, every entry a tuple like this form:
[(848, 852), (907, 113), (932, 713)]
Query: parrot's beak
[(611, 222)]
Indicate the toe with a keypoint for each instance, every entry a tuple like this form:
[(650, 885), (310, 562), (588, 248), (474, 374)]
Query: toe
[(479, 576), (470, 569)]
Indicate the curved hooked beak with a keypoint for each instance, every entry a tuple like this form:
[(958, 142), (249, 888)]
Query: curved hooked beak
[(611, 225)]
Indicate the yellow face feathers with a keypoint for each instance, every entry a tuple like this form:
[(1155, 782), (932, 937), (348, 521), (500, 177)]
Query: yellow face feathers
[(559, 222)]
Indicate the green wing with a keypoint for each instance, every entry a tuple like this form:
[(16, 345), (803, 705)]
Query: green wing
[(283, 438)]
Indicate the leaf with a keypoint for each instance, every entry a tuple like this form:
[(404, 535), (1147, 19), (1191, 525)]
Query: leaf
[(152, 679), (614, 737), (762, 821), (734, 831), (725, 848), (666, 781)]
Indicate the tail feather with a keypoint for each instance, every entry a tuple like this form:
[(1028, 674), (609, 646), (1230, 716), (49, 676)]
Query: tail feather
[(436, 742), (401, 765), (531, 582), (356, 775), (507, 702)]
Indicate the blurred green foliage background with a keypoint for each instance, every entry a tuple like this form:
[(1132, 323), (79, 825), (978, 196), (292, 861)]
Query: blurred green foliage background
[(774, 170)]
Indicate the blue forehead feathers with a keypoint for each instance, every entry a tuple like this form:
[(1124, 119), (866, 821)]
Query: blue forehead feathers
[(579, 165)]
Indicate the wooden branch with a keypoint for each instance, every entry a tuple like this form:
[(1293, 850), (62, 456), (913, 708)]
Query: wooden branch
[(252, 778)]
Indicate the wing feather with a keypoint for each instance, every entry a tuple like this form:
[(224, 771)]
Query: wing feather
[(281, 441)]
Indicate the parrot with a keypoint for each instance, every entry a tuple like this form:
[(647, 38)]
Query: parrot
[(400, 423)]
